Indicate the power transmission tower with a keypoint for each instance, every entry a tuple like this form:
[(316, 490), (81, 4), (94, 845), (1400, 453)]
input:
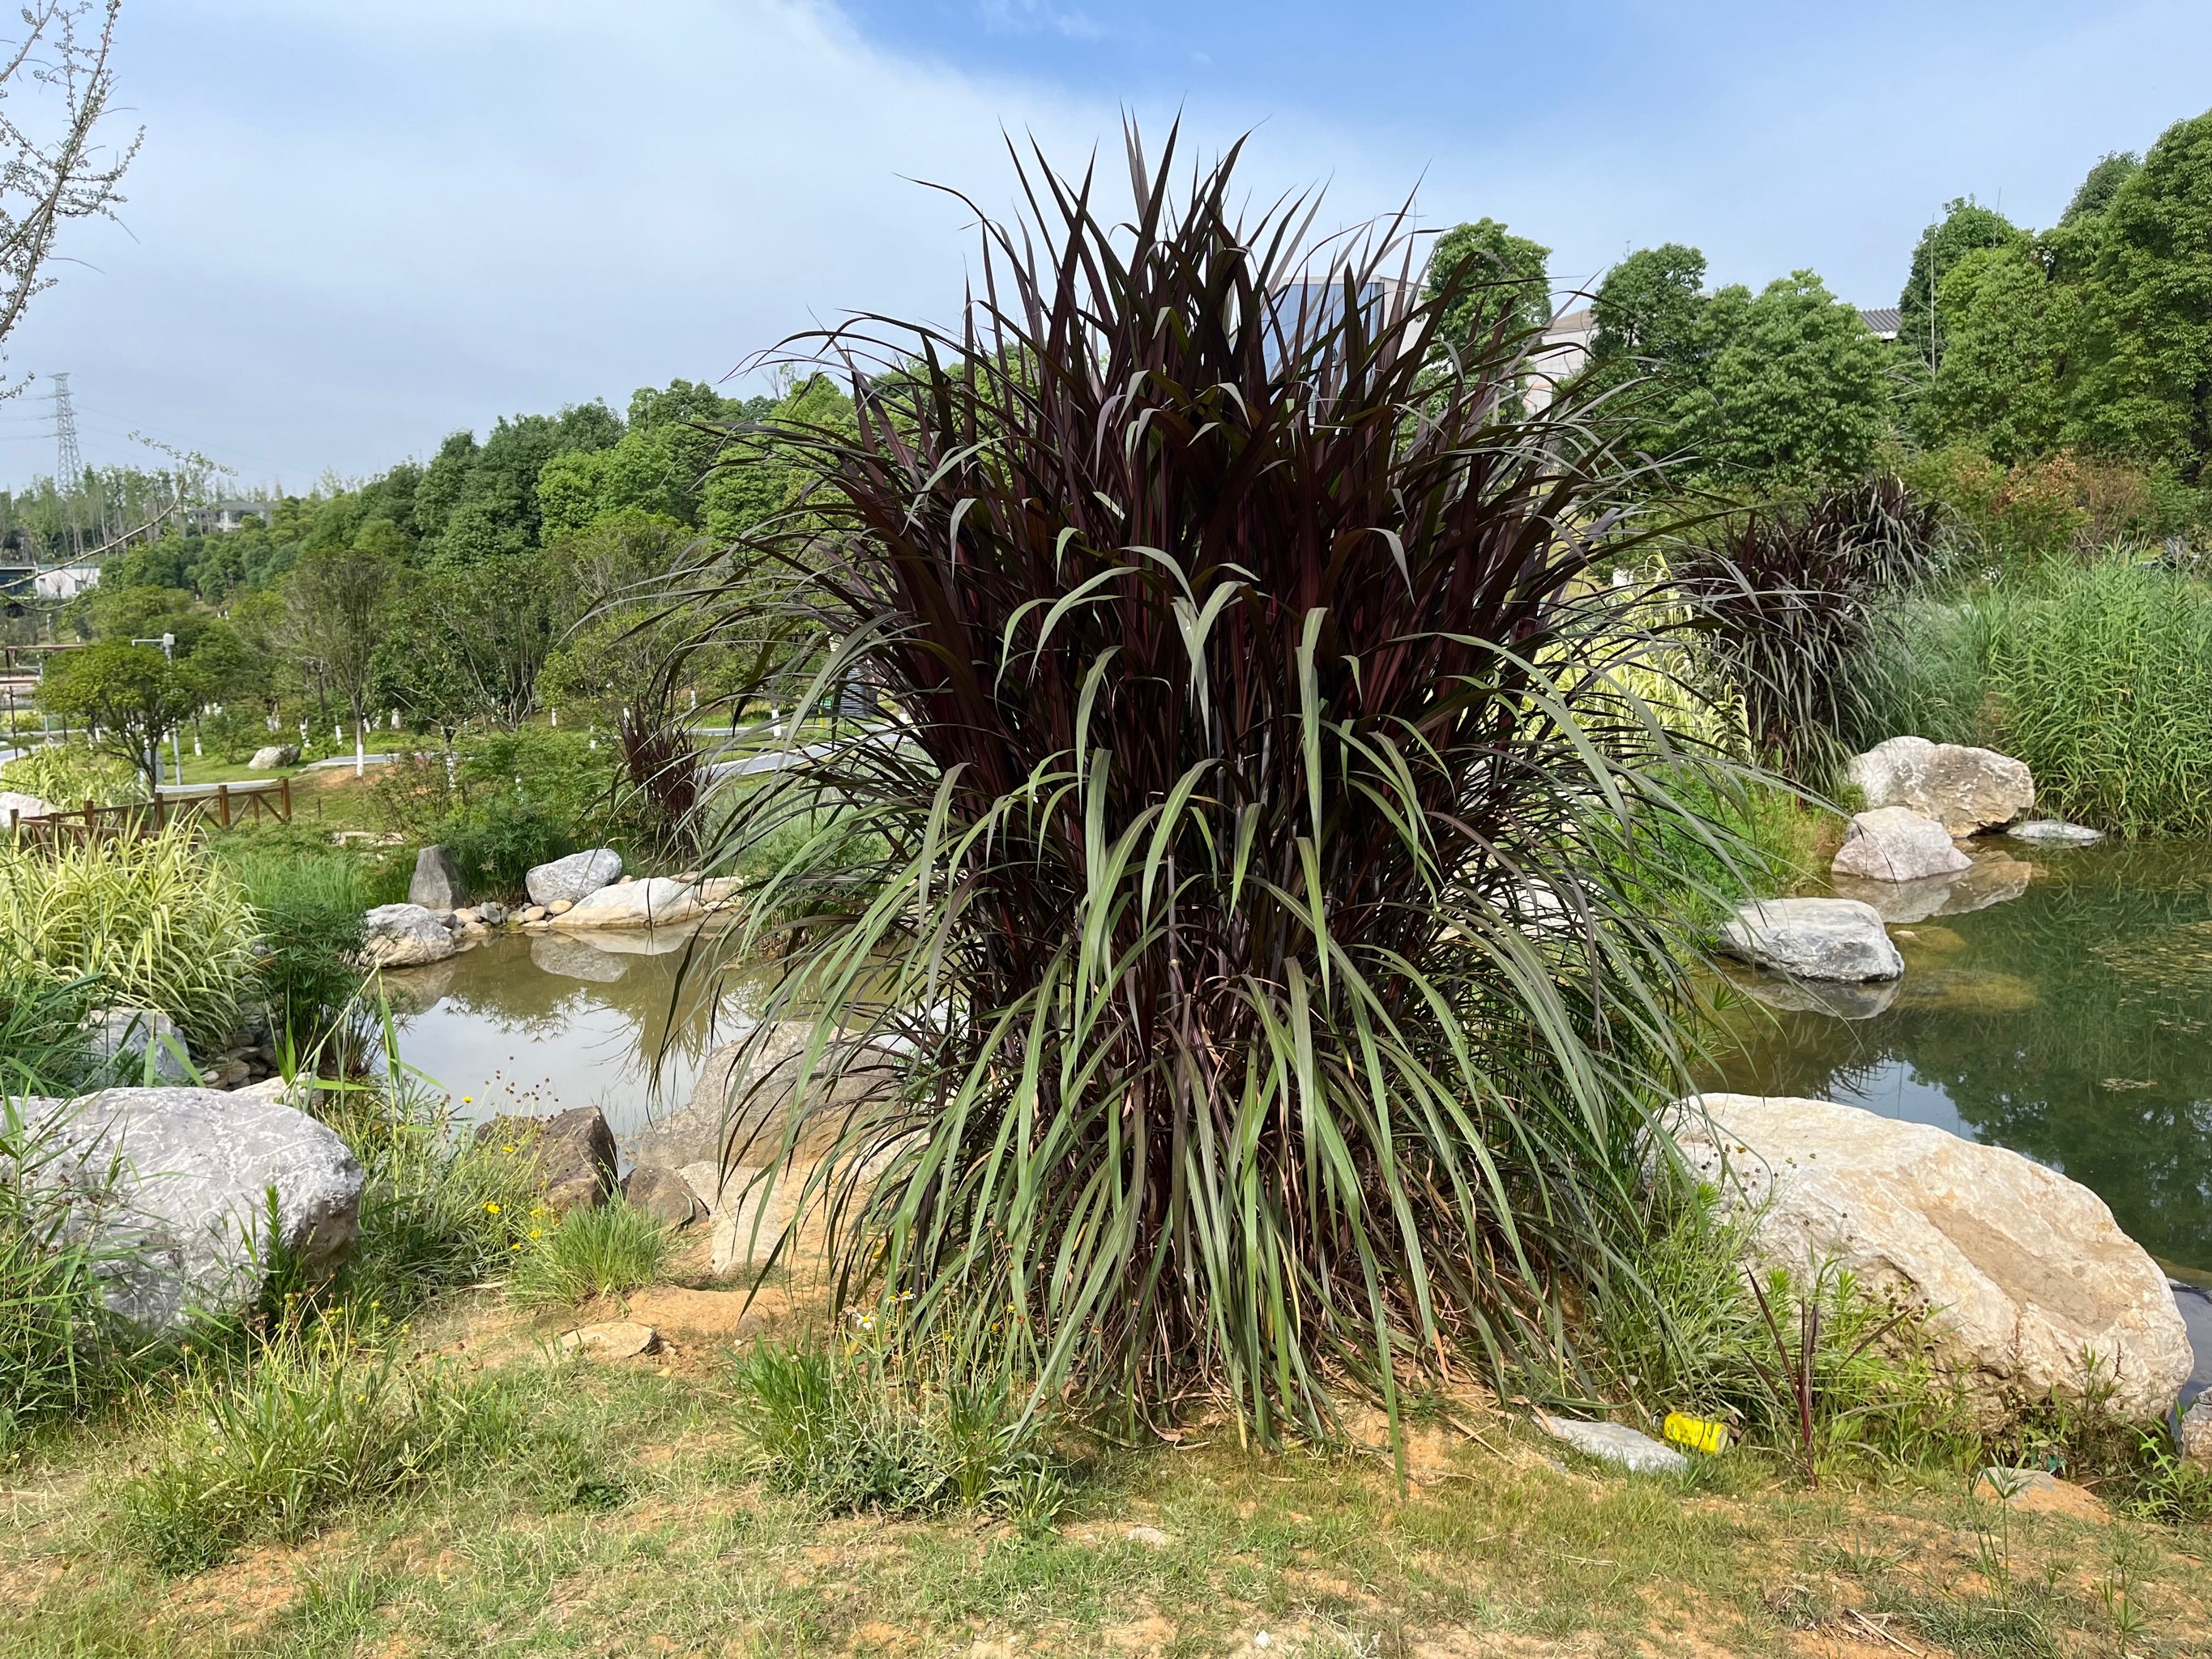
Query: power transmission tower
[(68, 462)]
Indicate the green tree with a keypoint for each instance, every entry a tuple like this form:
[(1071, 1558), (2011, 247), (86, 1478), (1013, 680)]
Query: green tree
[(2114, 169), (2006, 328), (1654, 340), (339, 604), (475, 502), (1510, 285), (2143, 386), (1799, 392), (756, 477), (1965, 226), (131, 694)]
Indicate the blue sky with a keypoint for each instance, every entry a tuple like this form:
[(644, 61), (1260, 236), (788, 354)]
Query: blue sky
[(360, 224)]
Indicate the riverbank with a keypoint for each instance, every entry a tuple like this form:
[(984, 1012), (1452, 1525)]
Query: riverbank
[(1502, 1543)]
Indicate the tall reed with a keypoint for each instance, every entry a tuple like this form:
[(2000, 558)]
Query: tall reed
[(1267, 920), (2102, 682)]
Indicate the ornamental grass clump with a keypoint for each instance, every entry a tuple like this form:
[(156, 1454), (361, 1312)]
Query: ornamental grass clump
[(1265, 936), (157, 921)]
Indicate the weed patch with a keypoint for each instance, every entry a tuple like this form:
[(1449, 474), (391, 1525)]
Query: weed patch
[(607, 1251)]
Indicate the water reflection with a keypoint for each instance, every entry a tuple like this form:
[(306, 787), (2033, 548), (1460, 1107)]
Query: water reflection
[(546, 1022), (2070, 1023)]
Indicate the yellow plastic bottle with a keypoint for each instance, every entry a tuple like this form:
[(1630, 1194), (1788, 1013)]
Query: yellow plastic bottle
[(1698, 1433)]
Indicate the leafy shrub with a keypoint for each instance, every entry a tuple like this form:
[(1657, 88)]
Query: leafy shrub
[(267, 1446), (310, 907), (159, 922), (508, 800), (608, 1251), (237, 733), (1256, 688), (69, 775), (853, 1430)]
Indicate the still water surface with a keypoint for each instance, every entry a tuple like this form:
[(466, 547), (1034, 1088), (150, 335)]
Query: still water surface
[(2072, 1023), (2069, 1017)]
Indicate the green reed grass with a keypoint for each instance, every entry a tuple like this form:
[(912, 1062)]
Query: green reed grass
[(159, 921), (57, 1345)]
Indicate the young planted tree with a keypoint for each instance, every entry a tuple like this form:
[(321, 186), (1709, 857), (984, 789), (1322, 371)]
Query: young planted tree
[(339, 604), (1279, 996)]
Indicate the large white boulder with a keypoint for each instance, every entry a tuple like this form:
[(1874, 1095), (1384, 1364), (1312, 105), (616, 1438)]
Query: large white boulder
[(404, 936), (174, 1187), (574, 878), (1895, 843), (15, 803), (1813, 938), (2026, 1270), (274, 758), (1965, 790), (656, 902)]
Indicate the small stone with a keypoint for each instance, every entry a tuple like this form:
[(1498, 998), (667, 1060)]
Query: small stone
[(2038, 1491), (621, 1339), (2055, 832), (1813, 938), (531, 912), (663, 1195), (404, 936), (560, 906), (1640, 1453), (1150, 1537), (119, 1040), (575, 877), (492, 913)]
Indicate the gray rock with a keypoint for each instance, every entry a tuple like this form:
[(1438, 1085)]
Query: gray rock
[(275, 755), (1965, 790), (750, 1220), (704, 1178), (1813, 938), (745, 1093), (664, 1194), (656, 902), (174, 1186), (1640, 1453), (404, 936), (1894, 843), (2025, 1271), (621, 1339), (2195, 1444), (574, 1153), (492, 913), (575, 877), (15, 803), (2055, 832), (118, 1040), (437, 884)]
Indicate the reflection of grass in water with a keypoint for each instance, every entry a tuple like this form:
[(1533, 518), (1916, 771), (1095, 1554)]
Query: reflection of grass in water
[(1967, 991), (2183, 952)]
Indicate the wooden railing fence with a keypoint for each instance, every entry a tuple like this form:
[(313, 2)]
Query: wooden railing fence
[(223, 807)]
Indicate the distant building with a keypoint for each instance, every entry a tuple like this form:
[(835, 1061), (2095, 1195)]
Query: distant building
[(222, 517), (1561, 355), (1881, 322), (65, 582)]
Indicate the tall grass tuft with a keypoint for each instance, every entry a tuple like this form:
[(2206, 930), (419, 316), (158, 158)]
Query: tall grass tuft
[(310, 907), (159, 923), (1267, 922), (266, 1446), (57, 1341), (43, 1046), (2102, 680), (609, 1249)]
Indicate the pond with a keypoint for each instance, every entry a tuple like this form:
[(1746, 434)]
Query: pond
[(542, 1023), (2068, 1017)]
